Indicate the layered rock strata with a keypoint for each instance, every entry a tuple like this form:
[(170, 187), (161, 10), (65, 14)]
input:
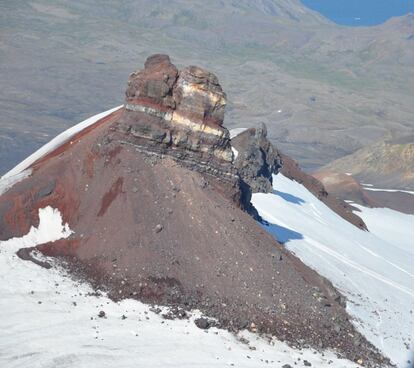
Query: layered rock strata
[(178, 109)]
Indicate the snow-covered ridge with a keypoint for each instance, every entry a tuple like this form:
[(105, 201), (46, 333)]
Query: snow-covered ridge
[(7, 182), (55, 143), (374, 270)]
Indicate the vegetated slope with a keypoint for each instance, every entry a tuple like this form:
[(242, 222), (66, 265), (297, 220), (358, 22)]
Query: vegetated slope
[(324, 91), (374, 269), (386, 164), (155, 202)]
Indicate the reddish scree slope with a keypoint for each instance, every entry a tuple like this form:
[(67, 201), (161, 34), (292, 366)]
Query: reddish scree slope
[(209, 253), (149, 227)]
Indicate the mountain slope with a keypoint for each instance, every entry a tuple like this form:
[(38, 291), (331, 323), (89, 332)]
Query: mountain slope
[(385, 164), (155, 205), (324, 91)]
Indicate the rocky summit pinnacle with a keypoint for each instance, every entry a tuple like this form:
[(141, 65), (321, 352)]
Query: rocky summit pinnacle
[(179, 109)]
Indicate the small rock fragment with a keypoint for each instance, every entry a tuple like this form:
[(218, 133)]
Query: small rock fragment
[(202, 323), (101, 314), (158, 228)]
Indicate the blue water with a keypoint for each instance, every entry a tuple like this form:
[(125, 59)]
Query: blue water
[(360, 12)]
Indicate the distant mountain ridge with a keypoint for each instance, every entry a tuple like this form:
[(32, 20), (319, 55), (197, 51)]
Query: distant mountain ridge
[(386, 164), (324, 91)]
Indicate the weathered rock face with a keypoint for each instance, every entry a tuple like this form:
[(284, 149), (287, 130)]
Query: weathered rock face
[(153, 85), (257, 159), (200, 97), (181, 110)]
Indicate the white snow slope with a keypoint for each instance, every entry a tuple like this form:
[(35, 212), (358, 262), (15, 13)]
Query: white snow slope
[(47, 320), (374, 270)]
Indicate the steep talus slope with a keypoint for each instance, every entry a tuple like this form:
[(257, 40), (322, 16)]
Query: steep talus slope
[(155, 205), (131, 334)]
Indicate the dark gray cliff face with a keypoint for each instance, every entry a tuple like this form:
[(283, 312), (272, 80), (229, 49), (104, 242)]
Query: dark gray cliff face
[(257, 159)]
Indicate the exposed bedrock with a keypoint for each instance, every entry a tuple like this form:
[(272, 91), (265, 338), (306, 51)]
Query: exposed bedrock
[(179, 109), (257, 159), (181, 114)]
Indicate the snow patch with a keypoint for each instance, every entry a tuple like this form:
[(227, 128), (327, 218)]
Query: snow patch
[(389, 190), (235, 153), (50, 229), (374, 270), (392, 226), (236, 132)]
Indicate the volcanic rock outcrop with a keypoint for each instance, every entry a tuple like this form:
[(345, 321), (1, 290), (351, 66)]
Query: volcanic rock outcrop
[(154, 201), (187, 109), (256, 159)]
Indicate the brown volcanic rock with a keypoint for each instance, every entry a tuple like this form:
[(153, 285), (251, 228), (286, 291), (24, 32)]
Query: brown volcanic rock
[(209, 255), (154, 84), (183, 109), (200, 97), (346, 187), (154, 221)]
